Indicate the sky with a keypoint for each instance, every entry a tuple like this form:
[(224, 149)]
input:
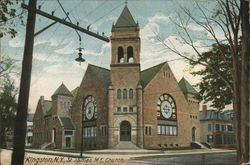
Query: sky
[(55, 49)]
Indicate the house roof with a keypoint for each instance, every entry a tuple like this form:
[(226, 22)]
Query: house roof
[(148, 74), (46, 107), (30, 117), (186, 87), (63, 91), (74, 91), (217, 115), (125, 21), (67, 123), (102, 74)]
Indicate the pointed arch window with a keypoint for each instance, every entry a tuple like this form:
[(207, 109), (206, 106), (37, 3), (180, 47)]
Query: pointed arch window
[(130, 53), (130, 93), (120, 55), (119, 94), (124, 93)]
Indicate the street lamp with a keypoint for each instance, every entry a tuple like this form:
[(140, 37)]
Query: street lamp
[(80, 59)]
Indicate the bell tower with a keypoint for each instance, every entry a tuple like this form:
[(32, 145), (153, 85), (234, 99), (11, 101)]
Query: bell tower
[(125, 77)]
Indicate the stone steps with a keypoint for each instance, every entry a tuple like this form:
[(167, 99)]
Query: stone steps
[(126, 145)]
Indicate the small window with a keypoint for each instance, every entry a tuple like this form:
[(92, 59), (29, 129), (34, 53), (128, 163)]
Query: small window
[(148, 130), (130, 93), (120, 55), (119, 109), (130, 54), (103, 130), (217, 127), (209, 127), (124, 93), (125, 109), (130, 109), (119, 94)]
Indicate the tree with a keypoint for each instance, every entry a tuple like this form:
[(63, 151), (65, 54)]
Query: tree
[(220, 95), (7, 13), (6, 66), (8, 106), (231, 17)]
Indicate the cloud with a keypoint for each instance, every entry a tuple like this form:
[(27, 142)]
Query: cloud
[(45, 57), (68, 49), (16, 42), (158, 17)]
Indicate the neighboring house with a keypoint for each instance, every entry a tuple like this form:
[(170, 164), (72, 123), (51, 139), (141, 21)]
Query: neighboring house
[(29, 134), (217, 128), (10, 133), (52, 125), (9, 136)]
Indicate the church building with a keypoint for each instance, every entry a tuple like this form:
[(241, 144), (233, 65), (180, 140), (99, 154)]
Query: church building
[(123, 106)]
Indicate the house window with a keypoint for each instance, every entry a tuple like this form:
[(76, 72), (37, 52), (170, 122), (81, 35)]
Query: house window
[(68, 132), (130, 109), (130, 56), (125, 109), (167, 130), (222, 127), (103, 130), (217, 127), (119, 94), (130, 93), (119, 109), (209, 138), (89, 131), (209, 127), (124, 93), (120, 55), (148, 130)]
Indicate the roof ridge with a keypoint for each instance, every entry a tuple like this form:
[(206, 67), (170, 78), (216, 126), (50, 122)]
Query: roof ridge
[(98, 67), (154, 66)]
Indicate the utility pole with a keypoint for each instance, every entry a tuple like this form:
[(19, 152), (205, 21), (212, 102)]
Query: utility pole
[(23, 98)]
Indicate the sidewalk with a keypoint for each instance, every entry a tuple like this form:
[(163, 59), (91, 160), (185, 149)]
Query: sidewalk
[(101, 157)]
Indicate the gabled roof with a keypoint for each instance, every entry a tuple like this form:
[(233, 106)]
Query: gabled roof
[(186, 87), (46, 107), (63, 91), (74, 91), (148, 74), (217, 115), (125, 21), (66, 123), (102, 74)]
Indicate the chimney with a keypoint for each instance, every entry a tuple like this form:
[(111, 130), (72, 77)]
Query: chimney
[(204, 111)]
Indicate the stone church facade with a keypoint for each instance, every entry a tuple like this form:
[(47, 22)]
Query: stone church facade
[(147, 109)]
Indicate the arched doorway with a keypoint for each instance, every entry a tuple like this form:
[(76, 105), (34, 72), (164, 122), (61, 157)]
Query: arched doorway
[(193, 134), (53, 135), (125, 131)]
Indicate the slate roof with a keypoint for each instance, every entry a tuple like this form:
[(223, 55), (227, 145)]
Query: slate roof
[(217, 115), (74, 91), (148, 74), (186, 87), (125, 21), (62, 90), (67, 123), (102, 74), (46, 107)]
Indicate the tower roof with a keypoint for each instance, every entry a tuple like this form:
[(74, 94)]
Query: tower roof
[(125, 22), (63, 91), (186, 87)]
